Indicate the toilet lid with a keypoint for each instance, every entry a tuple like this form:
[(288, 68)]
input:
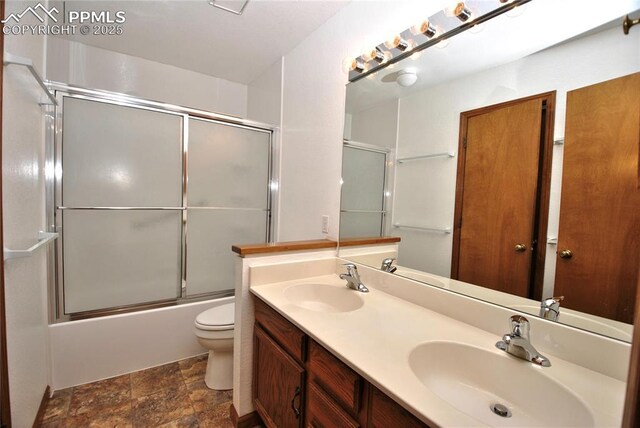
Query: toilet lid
[(217, 318)]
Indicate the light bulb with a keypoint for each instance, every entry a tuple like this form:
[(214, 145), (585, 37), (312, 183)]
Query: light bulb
[(425, 28), (459, 10), (396, 42), (352, 64), (374, 54)]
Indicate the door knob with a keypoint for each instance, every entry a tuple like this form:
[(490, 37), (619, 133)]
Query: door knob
[(566, 254), (520, 248)]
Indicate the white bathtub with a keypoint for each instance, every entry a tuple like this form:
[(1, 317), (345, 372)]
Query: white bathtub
[(99, 348)]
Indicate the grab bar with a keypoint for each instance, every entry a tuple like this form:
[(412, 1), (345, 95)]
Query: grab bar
[(25, 62), (428, 229), (435, 155), (43, 239)]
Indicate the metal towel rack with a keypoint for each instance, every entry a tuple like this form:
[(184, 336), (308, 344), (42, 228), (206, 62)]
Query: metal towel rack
[(426, 229), (10, 59), (43, 239), (435, 155)]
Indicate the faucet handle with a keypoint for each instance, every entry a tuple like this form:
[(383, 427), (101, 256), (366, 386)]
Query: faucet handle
[(351, 268), (519, 326), (552, 303)]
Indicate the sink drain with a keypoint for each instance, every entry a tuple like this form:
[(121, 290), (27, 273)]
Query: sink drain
[(500, 410)]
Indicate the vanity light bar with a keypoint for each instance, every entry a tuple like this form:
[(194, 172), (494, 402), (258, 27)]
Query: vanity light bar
[(459, 17)]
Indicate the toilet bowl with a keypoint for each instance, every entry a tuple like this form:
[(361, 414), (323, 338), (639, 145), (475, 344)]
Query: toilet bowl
[(214, 330)]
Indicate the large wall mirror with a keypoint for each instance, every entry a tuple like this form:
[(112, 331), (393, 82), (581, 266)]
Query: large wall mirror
[(506, 160)]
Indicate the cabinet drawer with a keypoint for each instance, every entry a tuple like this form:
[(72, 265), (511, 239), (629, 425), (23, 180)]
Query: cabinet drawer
[(341, 383), (322, 412), (384, 413), (291, 338)]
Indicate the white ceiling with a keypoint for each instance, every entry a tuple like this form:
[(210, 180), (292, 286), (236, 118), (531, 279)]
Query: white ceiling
[(194, 35)]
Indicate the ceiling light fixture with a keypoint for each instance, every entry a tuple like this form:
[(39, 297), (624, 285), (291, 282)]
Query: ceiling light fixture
[(406, 78)]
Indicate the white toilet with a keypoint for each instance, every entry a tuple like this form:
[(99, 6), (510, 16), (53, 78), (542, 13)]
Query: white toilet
[(214, 330)]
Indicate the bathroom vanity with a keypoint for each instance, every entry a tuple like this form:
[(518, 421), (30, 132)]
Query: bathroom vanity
[(408, 354), (326, 392)]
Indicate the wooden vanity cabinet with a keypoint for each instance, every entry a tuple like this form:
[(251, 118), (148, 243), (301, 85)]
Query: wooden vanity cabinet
[(297, 382)]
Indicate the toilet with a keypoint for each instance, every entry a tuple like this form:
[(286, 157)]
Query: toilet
[(214, 330)]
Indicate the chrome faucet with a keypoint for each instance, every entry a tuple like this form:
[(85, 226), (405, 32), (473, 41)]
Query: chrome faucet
[(353, 278), (550, 308), (387, 265), (517, 342)]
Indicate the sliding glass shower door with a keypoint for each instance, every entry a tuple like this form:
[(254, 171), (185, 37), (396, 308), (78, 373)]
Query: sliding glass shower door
[(149, 202), (228, 200)]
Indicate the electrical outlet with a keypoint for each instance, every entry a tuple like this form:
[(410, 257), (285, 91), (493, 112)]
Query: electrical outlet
[(325, 224)]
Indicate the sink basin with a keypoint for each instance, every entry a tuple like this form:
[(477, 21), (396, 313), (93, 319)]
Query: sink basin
[(472, 380), (585, 322), (324, 297)]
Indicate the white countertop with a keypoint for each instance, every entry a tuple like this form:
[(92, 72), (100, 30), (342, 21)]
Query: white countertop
[(376, 339)]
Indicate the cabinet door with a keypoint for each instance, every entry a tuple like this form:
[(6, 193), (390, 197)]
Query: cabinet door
[(278, 384)]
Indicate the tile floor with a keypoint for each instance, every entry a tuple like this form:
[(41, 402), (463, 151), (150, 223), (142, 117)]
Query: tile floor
[(169, 396)]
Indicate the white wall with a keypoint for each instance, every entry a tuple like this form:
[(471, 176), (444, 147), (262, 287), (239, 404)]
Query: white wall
[(313, 109), (429, 123), (95, 68), (377, 125), (23, 210), (264, 95), (264, 104)]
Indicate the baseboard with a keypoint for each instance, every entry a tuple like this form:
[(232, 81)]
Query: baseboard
[(43, 407), (249, 420)]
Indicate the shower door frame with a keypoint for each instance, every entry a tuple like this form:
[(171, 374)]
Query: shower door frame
[(54, 178)]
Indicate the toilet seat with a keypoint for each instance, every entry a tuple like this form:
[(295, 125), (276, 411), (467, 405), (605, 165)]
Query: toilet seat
[(219, 318)]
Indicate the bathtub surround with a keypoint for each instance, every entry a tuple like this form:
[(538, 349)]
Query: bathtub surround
[(25, 281)]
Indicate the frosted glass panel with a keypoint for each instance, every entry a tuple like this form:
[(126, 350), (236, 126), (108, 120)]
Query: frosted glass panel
[(210, 235), (358, 225), (116, 156), (116, 258), (228, 166), (363, 173)]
